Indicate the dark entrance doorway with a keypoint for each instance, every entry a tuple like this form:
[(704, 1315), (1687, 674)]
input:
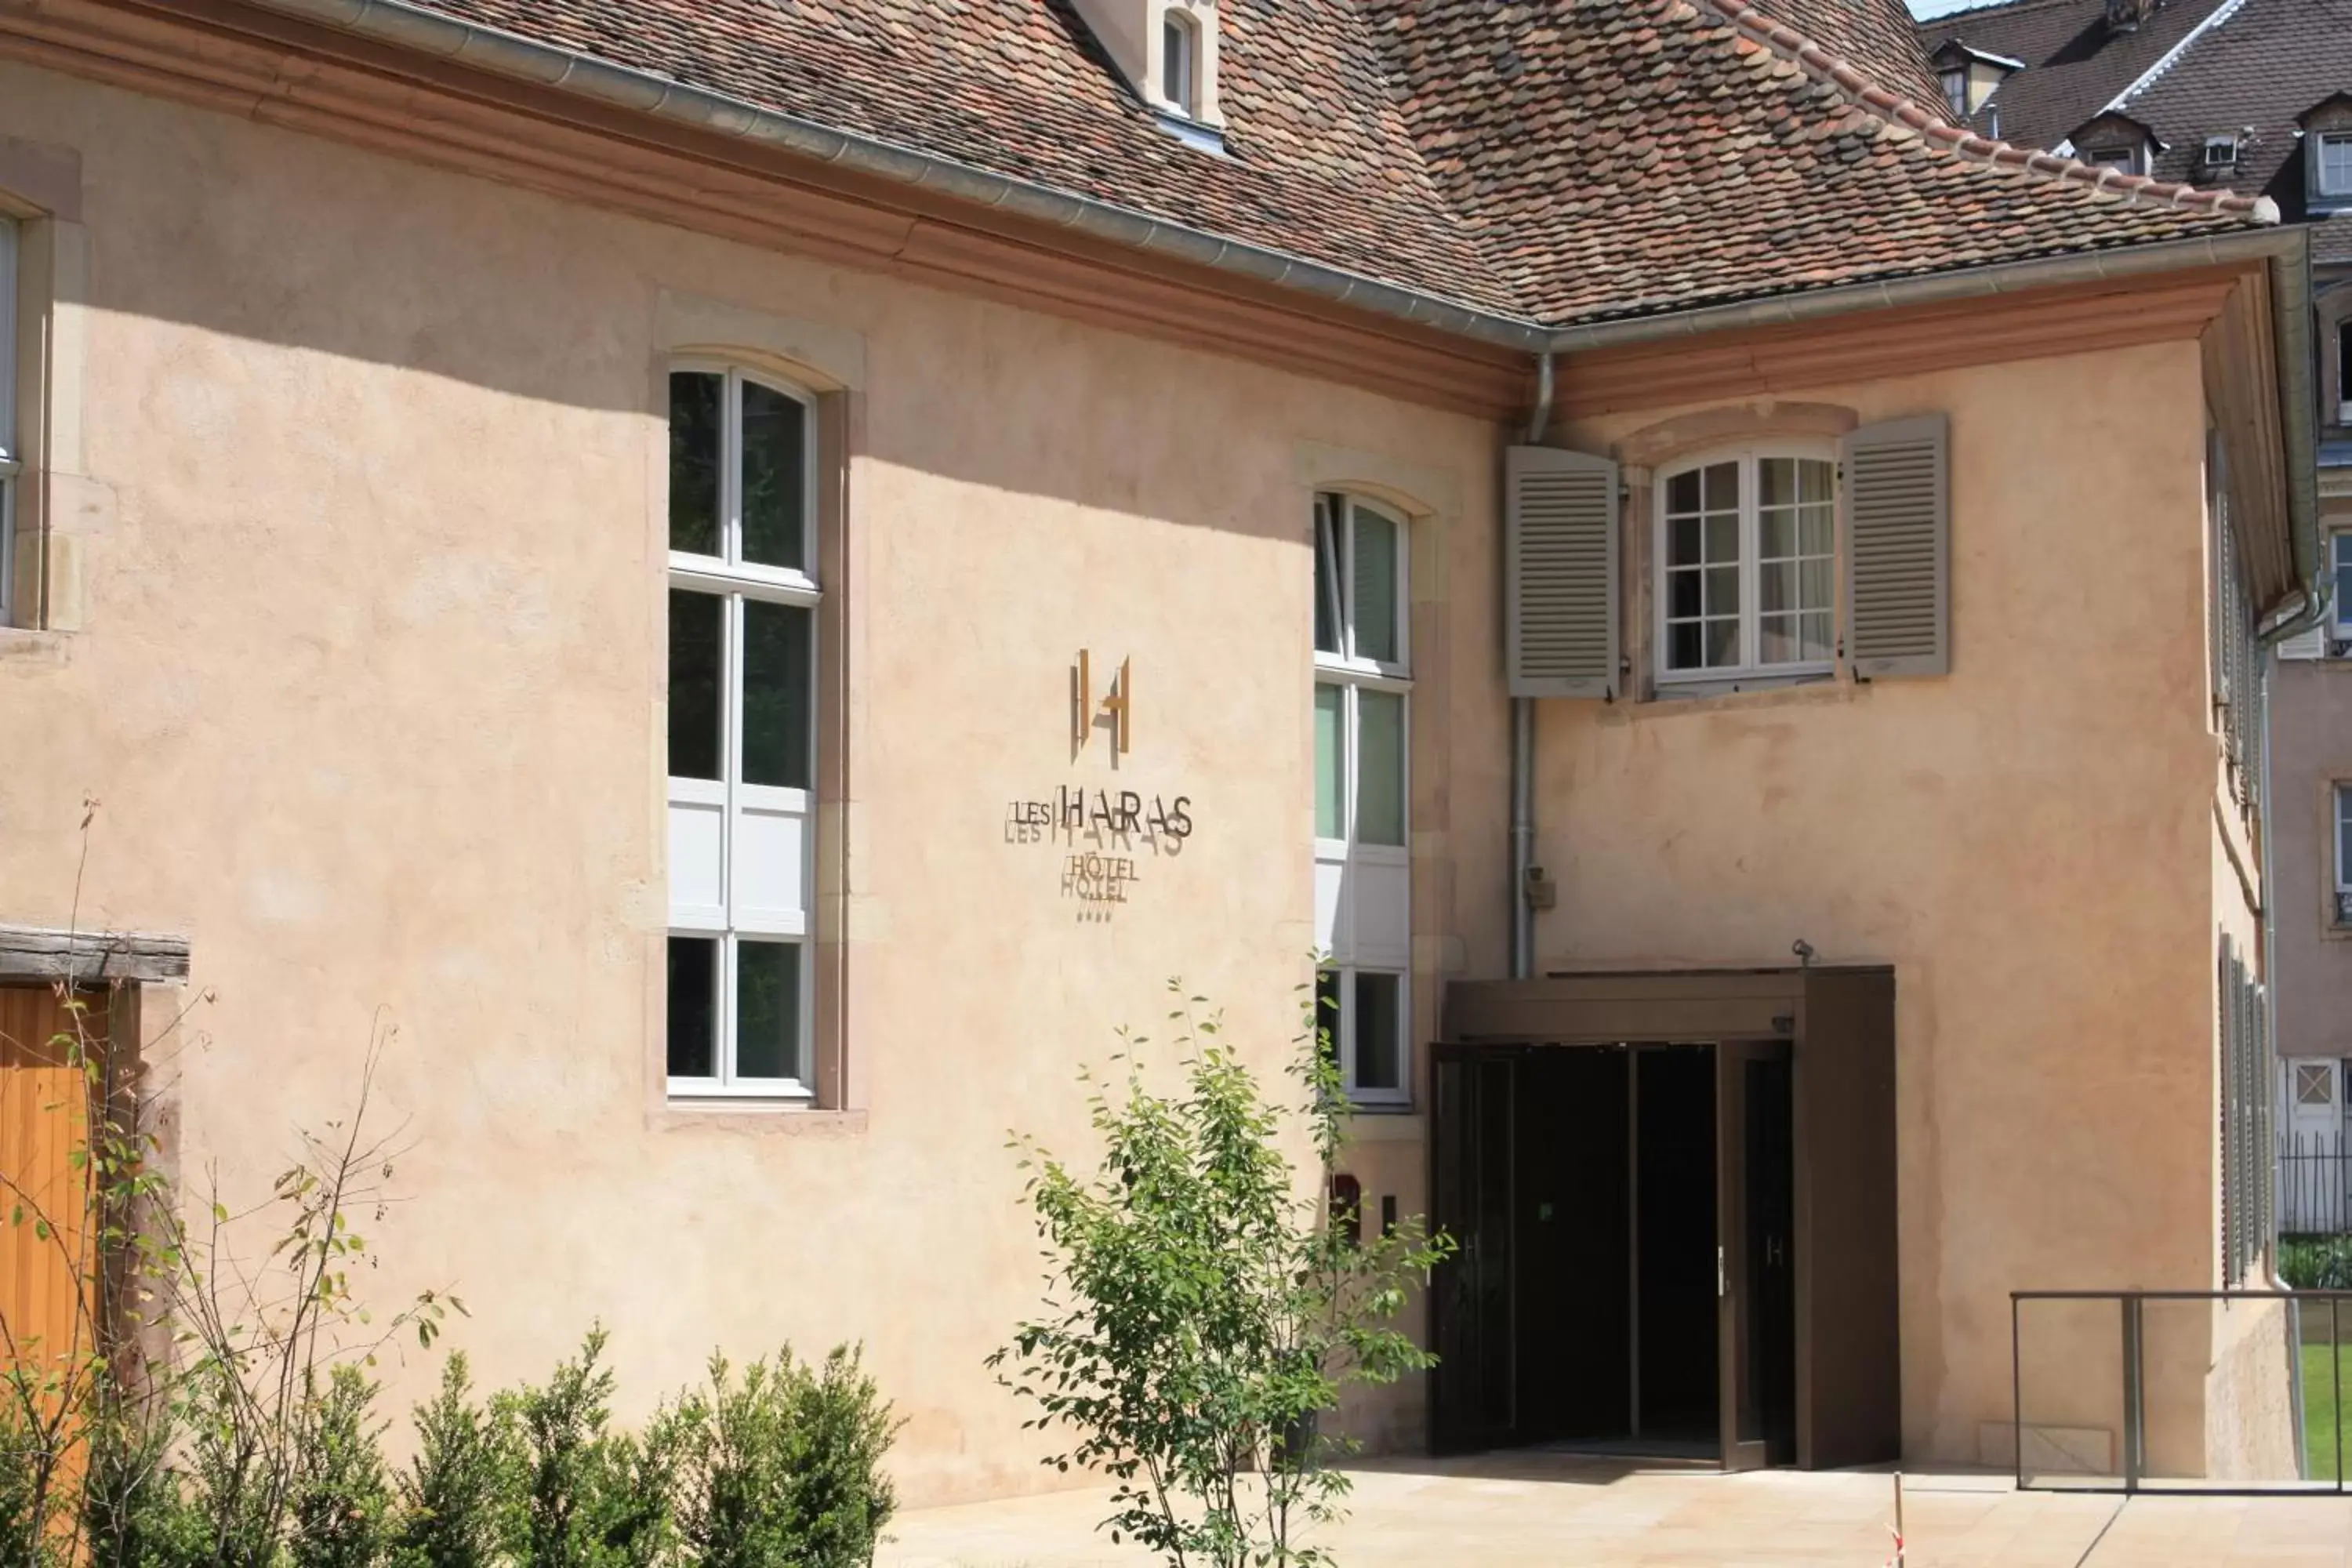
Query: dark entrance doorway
[(1588, 1297), (1654, 1259)]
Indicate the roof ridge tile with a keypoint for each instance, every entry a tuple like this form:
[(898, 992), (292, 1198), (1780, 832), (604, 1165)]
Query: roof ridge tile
[(1823, 66)]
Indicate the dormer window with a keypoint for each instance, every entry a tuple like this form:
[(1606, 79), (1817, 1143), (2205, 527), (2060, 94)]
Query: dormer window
[(2221, 154), (2336, 164), (2124, 159), (1167, 50), (1179, 62), (1956, 92)]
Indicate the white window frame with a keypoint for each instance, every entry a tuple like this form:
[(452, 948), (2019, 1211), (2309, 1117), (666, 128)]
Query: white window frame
[(1353, 674), (2341, 144), (12, 461), (2339, 846), (2225, 145), (1748, 669), (735, 582), (2128, 160), (2339, 610), (1180, 61), (2344, 371), (1956, 93)]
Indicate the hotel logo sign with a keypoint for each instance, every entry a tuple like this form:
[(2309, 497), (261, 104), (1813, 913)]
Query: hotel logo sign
[(1106, 835)]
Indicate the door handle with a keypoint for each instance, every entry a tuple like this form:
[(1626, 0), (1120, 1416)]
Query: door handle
[(1722, 1280)]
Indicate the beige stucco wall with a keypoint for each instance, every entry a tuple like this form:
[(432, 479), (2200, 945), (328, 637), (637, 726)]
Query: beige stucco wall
[(2028, 841), (368, 685)]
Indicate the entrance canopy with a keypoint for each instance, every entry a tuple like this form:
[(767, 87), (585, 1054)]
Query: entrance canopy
[(1793, 1117)]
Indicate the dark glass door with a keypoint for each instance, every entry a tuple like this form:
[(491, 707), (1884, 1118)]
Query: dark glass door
[(1755, 1273), (1473, 1296)]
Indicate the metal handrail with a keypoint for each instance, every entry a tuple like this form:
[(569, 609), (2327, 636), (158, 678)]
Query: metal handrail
[(2131, 1305)]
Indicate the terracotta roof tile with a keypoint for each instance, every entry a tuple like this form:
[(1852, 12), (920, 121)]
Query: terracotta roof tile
[(1623, 158), (1559, 160)]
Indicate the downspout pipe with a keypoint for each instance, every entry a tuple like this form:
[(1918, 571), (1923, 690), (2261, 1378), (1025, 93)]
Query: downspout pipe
[(1523, 749)]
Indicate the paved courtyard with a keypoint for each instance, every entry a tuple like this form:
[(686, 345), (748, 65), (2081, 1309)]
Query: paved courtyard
[(1534, 1509)]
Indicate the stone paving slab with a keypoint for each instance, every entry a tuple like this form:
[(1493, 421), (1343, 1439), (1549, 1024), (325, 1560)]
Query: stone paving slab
[(1524, 1509)]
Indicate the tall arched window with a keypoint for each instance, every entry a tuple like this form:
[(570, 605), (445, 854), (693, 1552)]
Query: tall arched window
[(743, 598), (1363, 689), (1747, 551), (1180, 60)]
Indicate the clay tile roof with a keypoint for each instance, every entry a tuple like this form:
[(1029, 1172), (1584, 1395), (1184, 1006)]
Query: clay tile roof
[(1555, 161), (1622, 159), (1878, 37)]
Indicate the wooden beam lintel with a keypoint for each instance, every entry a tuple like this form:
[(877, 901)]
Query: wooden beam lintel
[(47, 954)]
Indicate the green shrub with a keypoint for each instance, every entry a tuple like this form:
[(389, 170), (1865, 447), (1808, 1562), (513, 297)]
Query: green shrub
[(458, 1496), (840, 1495), (592, 1498), (133, 1512), (24, 1492), (340, 1496), (783, 1469), (2315, 1262)]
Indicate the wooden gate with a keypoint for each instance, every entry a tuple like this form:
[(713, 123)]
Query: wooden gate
[(42, 1185)]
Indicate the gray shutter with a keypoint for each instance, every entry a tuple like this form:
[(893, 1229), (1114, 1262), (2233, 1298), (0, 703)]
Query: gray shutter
[(1559, 573), (2309, 643), (1897, 545)]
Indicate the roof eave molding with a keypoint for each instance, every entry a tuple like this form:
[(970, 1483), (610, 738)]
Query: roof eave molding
[(412, 27)]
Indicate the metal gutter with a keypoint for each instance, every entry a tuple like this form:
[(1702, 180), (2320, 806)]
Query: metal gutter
[(1523, 753), (408, 26), (1931, 287), (2283, 248), (2291, 313)]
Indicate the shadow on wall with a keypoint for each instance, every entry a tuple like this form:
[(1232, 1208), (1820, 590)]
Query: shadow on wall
[(272, 236)]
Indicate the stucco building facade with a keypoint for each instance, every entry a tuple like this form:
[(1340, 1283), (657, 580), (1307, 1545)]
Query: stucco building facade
[(624, 607)]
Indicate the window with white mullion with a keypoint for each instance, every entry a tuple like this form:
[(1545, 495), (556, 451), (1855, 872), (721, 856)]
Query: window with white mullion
[(2335, 164), (743, 733), (1746, 548), (2343, 854), (1360, 625), (1362, 832), (2339, 547)]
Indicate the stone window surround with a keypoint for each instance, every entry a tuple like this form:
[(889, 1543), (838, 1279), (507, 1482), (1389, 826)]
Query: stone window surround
[(1641, 455), (40, 189), (829, 362)]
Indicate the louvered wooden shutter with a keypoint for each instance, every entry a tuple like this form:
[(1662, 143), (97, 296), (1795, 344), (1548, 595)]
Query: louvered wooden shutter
[(1897, 543), (1559, 573)]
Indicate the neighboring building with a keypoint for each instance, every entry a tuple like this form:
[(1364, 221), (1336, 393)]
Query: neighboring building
[(756, 577), (2312, 761)]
